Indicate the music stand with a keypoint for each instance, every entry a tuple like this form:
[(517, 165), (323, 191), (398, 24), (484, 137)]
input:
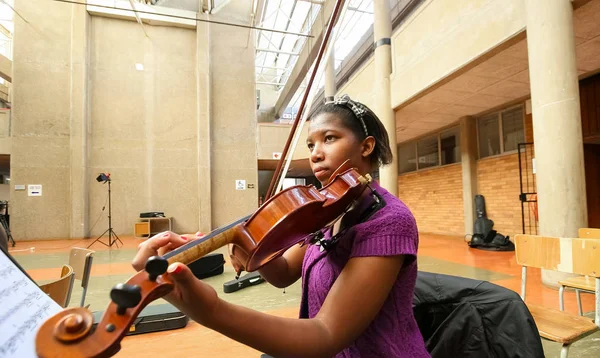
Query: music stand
[(105, 178)]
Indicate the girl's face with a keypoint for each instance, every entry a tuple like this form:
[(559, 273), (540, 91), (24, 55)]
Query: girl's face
[(331, 143)]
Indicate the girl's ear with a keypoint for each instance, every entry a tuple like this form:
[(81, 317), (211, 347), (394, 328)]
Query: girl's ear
[(367, 146)]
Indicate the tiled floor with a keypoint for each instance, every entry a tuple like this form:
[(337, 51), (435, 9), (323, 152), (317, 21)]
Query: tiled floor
[(440, 254)]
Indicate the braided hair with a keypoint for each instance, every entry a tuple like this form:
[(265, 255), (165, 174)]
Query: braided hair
[(363, 122)]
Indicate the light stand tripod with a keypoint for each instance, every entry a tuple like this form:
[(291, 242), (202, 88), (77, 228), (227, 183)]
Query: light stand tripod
[(106, 178)]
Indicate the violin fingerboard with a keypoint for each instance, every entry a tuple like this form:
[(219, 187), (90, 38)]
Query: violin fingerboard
[(204, 246)]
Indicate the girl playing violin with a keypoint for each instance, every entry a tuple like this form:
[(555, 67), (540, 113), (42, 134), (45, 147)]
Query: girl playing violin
[(357, 280)]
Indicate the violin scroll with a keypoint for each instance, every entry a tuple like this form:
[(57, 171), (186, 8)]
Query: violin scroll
[(71, 332), (76, 323)]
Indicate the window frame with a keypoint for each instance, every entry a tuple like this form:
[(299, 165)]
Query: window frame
[(414, 142), (499, 113)]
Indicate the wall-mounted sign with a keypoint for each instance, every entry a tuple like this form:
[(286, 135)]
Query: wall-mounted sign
[(34, 189), (240, 185)]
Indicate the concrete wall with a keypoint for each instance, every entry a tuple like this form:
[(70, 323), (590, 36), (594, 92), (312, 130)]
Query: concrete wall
[(360, 86), (174, 135), (143, 122), (41, 148), (5, 129), (233, 114), (5, 192), (5, 68), (268, 97), (272, 138), (4, 124)]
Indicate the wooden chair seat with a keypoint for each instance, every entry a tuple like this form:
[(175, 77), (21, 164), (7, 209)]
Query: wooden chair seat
[(559, 326), (582, 283)]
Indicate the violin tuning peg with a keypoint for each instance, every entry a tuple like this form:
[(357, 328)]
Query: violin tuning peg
[(156, 266), (125, 296)]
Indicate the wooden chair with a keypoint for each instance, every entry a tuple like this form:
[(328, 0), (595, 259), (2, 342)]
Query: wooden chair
[(578, 256), (81, 261), (581, 283), (60, 290)]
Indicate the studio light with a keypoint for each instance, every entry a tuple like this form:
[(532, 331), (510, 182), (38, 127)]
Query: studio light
[(103, 177)]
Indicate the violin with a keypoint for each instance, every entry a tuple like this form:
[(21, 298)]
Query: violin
[(288, 218)]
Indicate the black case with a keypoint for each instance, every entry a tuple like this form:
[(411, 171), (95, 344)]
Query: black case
[(249, 279), (207, 266), (152, 214), (155, 318)]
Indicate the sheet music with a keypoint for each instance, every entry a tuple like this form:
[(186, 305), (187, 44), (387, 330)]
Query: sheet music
[(23, 309)]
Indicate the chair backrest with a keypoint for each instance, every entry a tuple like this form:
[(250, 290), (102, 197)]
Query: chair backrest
[(578, 256), (60, 290), (589, 233), (81, 261)]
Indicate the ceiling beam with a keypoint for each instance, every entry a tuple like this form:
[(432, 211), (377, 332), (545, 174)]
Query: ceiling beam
[(308, 54)]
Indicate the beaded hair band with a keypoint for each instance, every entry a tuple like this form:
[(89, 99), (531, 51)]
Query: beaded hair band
[(358, 109)]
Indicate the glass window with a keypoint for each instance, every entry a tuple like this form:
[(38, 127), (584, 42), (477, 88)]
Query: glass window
[(489, 136), (512, 128), (450, 146), (427, 150), (406, 158)]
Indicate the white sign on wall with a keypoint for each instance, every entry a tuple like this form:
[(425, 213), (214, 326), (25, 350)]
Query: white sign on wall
[(240, 185), (34, 189)]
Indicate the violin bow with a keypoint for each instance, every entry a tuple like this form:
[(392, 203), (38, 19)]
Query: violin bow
[(278, 171)]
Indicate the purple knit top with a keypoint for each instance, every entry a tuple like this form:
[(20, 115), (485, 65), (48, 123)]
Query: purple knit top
[(392, 230)]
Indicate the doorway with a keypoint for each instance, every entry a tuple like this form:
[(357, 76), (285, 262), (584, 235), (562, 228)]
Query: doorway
[(591, 155)]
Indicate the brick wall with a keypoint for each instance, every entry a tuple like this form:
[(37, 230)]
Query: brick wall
[(435, 195), (498, 182), (435, 198)]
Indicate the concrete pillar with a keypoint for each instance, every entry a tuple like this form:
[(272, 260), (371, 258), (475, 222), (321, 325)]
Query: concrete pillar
[(330, 76), (468, 153), (48, 107), (233, 127), (80, 136), (203, 93), (382, 29), (556, 120)]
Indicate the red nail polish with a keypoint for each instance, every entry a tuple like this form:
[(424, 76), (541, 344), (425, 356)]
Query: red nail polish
[(184, 238), (165, 234), (176, 270)]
